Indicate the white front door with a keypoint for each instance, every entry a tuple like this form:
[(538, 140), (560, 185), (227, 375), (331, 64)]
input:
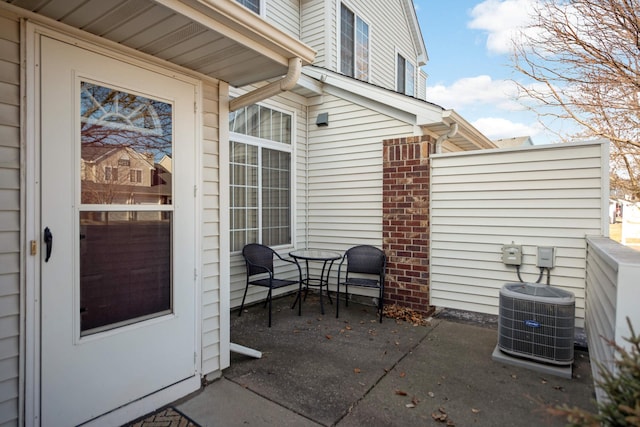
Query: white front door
[(117, 201)]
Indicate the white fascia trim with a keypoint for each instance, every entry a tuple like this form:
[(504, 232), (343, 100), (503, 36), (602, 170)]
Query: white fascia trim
[(416, 32), (235, 21), (471, 133), (422, 112)]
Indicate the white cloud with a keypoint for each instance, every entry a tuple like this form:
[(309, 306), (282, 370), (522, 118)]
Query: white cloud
[(476, 91), (501, 20), (499, 127), (482, 101)]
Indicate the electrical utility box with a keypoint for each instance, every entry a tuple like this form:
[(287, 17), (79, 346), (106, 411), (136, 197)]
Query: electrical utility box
[(512, 254), (546, 257)]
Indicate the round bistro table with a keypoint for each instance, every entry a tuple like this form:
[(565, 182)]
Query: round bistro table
[(327, 258)]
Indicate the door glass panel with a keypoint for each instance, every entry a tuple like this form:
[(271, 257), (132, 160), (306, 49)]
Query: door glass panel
[(125, 251), (126, 147), (125, 268)]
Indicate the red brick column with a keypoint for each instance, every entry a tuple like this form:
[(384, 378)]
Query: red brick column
[(405, 222)]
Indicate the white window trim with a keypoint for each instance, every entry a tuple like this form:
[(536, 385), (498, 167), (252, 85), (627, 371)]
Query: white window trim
[(416, 71), (274, 145), (263, 8), (359, 15)]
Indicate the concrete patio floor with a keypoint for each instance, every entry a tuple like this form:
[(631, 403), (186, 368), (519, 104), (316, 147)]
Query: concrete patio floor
[(353, 371)]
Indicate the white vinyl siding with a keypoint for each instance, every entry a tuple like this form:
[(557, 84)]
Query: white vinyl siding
[(421, 86), (315, 32), (539, 196), (211, 304), (389, 33), (612, 294), (10, 207), (285, 15), (345, 174)]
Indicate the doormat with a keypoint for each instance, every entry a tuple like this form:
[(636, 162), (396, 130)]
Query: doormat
[(167, 417)]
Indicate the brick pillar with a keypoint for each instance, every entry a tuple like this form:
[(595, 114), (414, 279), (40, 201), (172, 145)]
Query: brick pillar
[(405, 222)]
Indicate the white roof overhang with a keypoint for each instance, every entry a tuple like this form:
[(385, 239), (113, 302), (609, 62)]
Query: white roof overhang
[(466, 138), (217, 38), (431, 118)]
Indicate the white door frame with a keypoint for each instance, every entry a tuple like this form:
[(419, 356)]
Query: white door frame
[(30, 93)]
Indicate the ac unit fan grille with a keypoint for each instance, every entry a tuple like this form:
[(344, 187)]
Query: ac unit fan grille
[(538, 330)]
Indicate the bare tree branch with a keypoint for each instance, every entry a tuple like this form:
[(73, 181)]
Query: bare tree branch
[(584, 56)]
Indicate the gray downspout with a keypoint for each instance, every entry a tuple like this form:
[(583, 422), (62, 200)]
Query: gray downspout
[(286, 83), (442, 138)]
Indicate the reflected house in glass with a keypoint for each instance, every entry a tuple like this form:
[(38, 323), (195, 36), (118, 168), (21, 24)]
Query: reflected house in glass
[(122, 175)]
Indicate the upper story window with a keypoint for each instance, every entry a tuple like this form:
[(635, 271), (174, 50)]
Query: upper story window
[(406, 76), (260, 177), (354, 45), (253, 5)]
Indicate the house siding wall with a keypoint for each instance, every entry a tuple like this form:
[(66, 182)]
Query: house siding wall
[(388, 35), (345, 166), (284, 14), (316, 29), (540, 196), (10, 222), (210, 230)]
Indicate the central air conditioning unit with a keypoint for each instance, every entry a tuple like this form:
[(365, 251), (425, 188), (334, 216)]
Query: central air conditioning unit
[(536, 321)]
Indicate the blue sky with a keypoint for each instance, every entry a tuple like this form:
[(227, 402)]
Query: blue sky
[(469, 70)]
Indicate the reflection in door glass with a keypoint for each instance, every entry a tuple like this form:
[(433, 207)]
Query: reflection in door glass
[(125, 252), (126, 151)]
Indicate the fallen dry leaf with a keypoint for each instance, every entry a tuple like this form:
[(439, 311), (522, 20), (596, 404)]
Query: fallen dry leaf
[(406, 314), (401, 393), (356, 370), (439, 416), (415, 400), (348, 328), (328, 337), (475, 411), (403, 374), (410, 405)]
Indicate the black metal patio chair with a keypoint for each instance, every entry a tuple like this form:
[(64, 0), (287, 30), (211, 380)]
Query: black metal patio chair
[(260, 272), (365, 267)]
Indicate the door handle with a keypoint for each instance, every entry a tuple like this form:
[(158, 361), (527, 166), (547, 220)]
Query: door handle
[(48, 240)]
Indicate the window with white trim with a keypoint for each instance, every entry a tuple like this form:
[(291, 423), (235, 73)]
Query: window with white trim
[(260, 154), (110, 173), (253, 5), (354, 45), (406, 76), (135, 175)]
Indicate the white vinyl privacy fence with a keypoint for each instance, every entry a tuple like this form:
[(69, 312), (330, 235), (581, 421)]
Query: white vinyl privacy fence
[(552, 195), (613, 273)]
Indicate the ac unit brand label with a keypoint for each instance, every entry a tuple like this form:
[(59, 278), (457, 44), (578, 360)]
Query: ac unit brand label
[(532, 323)]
